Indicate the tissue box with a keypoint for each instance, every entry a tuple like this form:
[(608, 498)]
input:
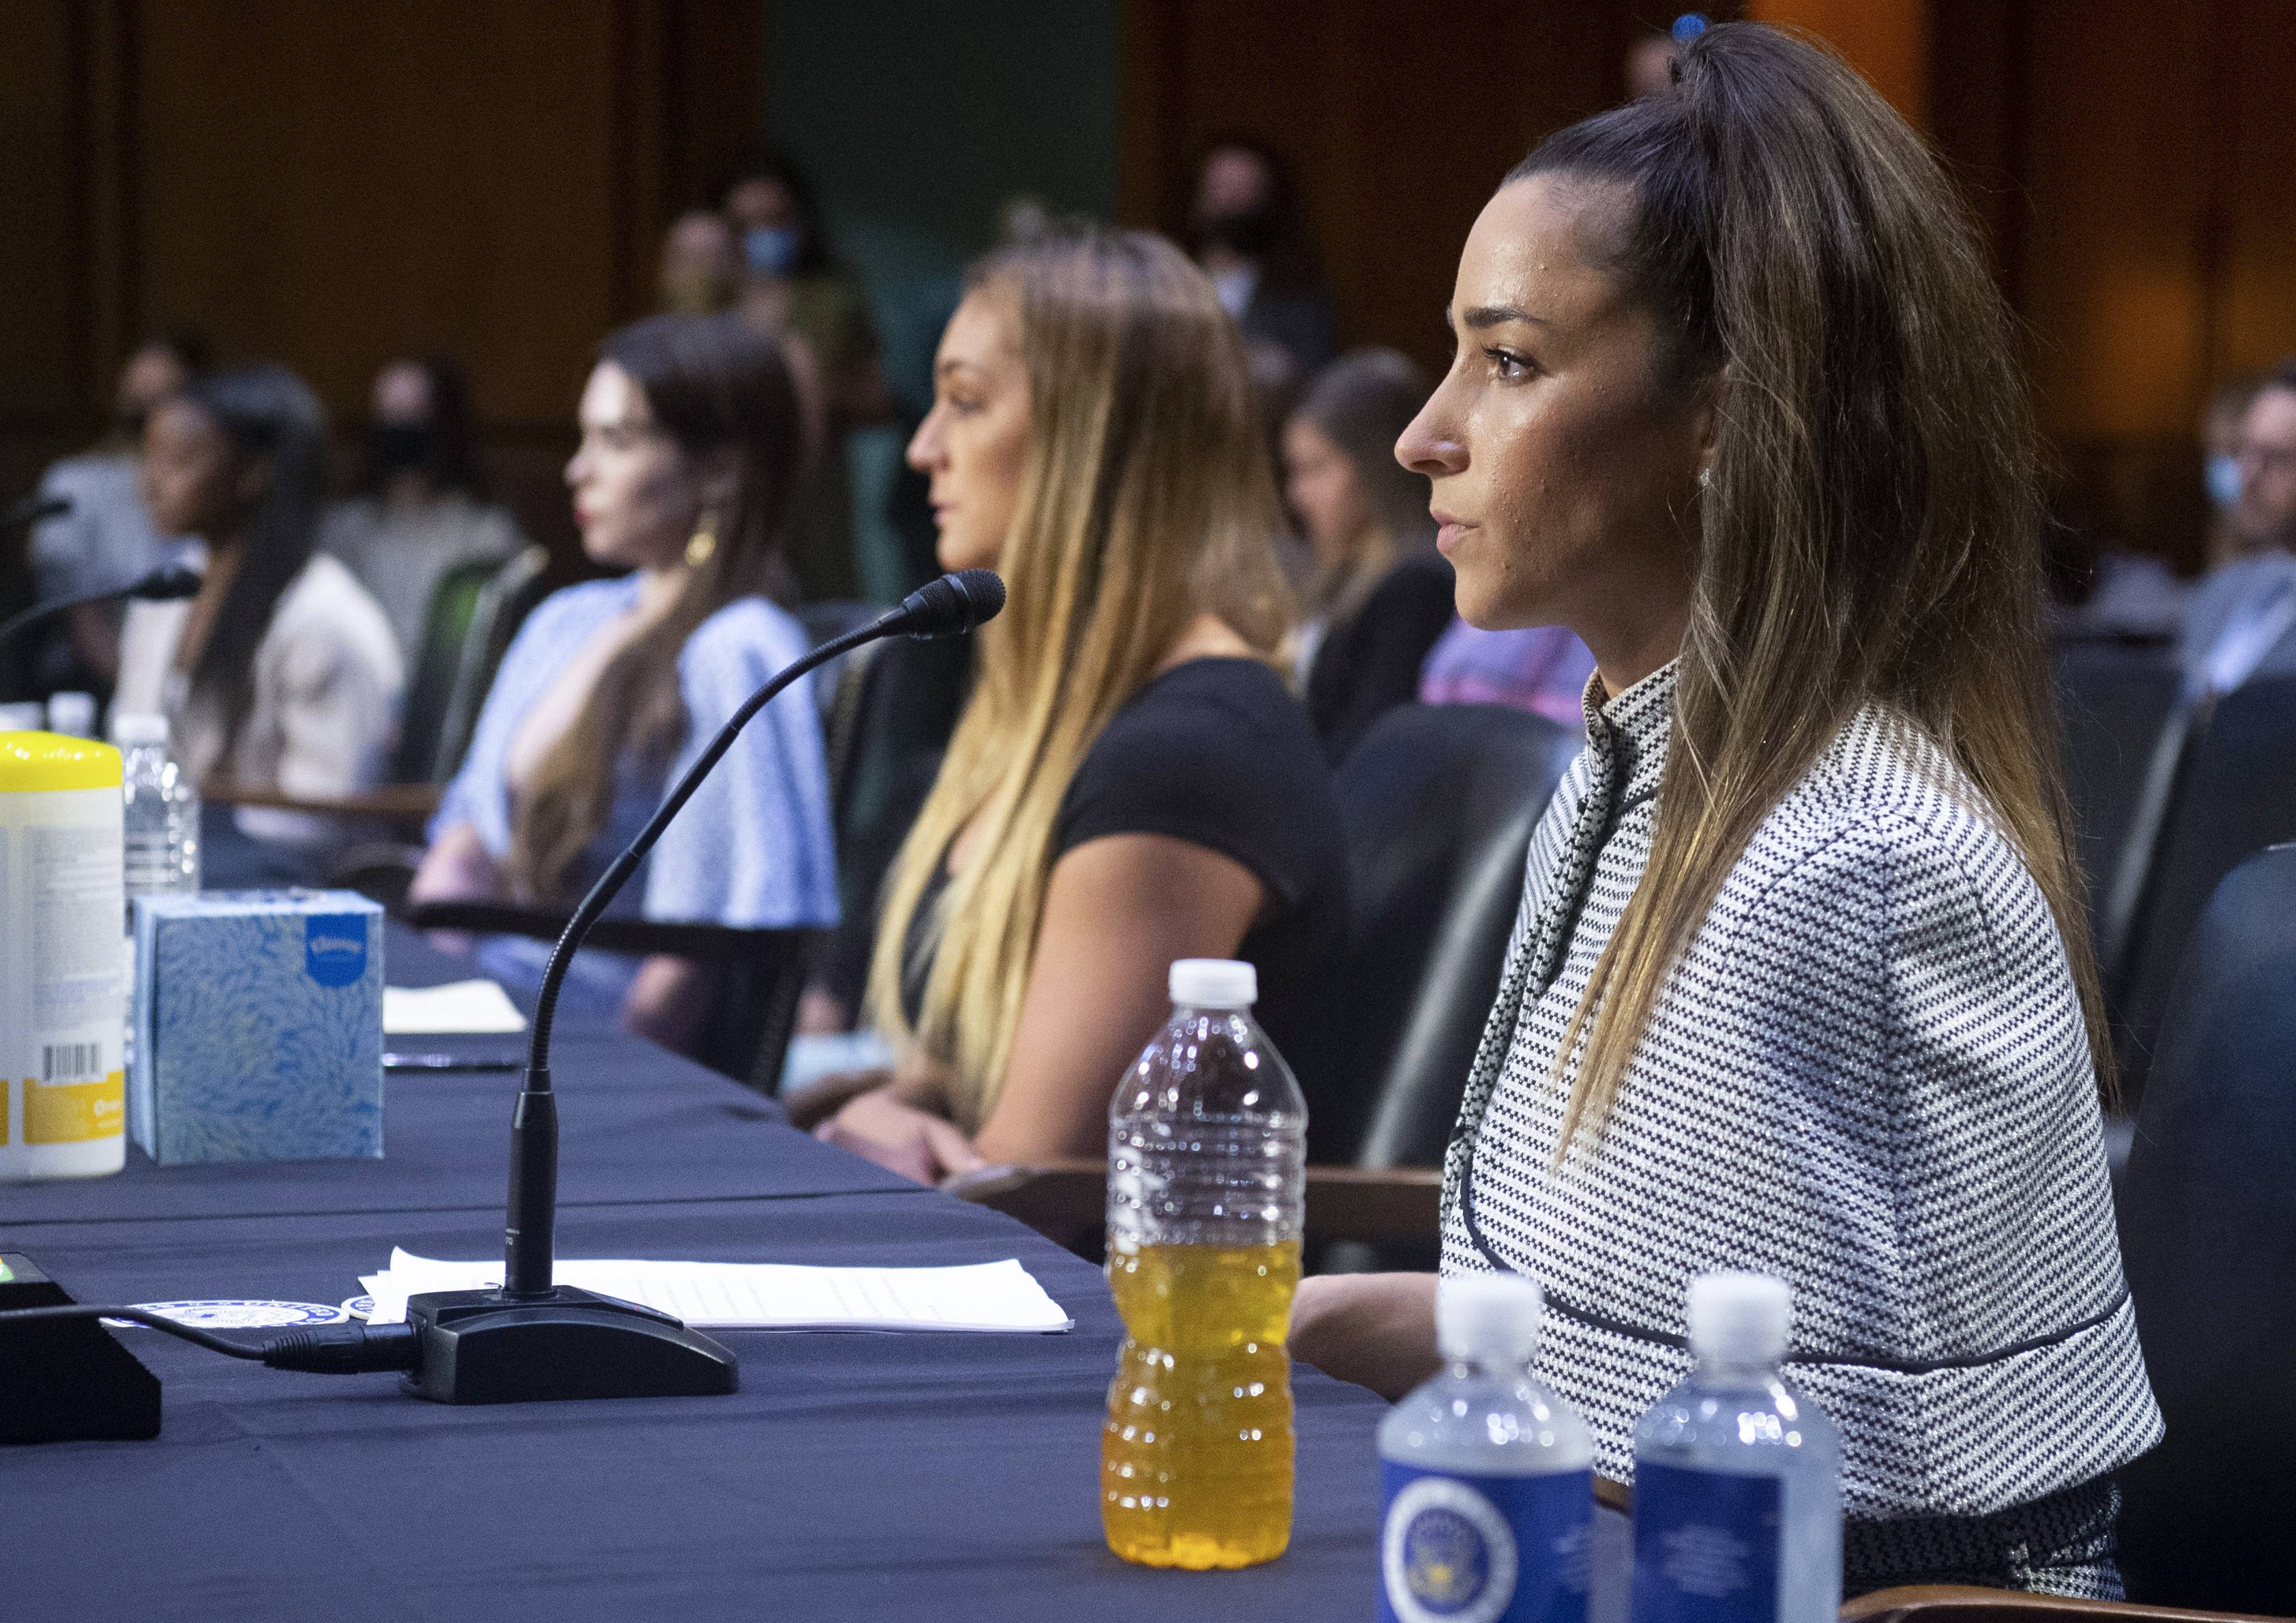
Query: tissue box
[(259, 1026)]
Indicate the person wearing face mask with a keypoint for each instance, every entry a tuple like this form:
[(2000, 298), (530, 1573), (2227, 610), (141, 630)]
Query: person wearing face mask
[(1130, 782), (2242, 621), (419, 510), (792, 285), (691, 447), (1244, 230), (108, 538), (1800, 980), (281, 673)]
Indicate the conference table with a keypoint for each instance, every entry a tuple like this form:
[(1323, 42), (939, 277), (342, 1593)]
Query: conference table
[(909, 1475)]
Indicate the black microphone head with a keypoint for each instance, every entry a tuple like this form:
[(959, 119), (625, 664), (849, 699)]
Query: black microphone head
[(954, 603), (168, 582)]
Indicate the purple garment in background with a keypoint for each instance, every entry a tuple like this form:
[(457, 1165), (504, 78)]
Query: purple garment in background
[(1543, 670)]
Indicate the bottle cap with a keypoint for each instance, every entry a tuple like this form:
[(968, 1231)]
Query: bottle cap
[(1740, 1318), (132, 728), (1487, 1318), (1214, 983)]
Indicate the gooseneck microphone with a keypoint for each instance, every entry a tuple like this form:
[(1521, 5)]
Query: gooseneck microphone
[(168, 582), (534, 1337)]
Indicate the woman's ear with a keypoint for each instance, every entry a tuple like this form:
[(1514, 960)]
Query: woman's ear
[(1706, 419), (252, 481), (718, 480)]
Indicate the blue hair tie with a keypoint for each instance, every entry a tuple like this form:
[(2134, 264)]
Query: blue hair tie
[(1689, 27)]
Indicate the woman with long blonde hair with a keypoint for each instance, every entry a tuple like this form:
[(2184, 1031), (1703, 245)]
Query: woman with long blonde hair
[(1800, 981), (1130, 782)]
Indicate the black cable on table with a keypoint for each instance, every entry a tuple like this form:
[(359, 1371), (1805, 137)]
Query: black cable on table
[(333, 1349)]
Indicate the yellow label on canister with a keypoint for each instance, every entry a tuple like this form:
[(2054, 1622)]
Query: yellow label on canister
[(74, 1112)]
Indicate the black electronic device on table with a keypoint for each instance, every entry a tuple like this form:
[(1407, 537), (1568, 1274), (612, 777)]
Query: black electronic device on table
[(532, 1338)]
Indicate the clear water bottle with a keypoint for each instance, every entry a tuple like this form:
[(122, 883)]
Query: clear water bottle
[(1737, 1476), (161, 824), (1206, 1153), (1489, 1478)]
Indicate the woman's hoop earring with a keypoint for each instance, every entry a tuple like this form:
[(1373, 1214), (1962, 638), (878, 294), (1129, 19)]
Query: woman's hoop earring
[(704, 541), (1706, 479)]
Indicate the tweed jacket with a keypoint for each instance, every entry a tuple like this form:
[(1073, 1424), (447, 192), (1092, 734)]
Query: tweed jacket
[(1869, 1074)]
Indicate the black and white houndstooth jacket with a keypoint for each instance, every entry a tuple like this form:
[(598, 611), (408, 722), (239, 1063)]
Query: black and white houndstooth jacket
[(1868, 1074)]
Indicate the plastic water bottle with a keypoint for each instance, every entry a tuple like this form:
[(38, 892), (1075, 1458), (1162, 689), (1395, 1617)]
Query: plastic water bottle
[(72, 715), (1737, 1476), (1489, 1478), (161, 825), (1206, 1149)]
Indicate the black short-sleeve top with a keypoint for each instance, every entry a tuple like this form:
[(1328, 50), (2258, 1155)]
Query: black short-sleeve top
[(1218, 752)]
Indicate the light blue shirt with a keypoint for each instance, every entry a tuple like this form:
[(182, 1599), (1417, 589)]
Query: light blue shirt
[(751, 849), (2241, 624)]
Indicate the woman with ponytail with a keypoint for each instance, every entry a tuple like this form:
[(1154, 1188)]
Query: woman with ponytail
[(690, 454), (1802, 980), (1130, 783)]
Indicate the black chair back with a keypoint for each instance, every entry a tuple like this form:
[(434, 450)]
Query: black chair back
[(2114, 698), (447, 627), (509, 596), (2234, 794), (1439, 802), (2208, 1236)]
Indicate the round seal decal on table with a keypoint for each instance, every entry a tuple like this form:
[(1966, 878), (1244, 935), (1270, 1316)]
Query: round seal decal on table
[(239, 1313), (1446, 1554)]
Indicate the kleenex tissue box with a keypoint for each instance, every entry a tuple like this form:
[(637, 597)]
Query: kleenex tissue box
[(259, 1026)]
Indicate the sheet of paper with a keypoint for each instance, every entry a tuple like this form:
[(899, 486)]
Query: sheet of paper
[(456, 1009), (994, 1297)]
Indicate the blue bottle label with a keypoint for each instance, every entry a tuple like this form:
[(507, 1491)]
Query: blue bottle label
[(1706, 1546), (1458, 1549)]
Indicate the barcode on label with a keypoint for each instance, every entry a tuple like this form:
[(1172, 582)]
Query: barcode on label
[(67, 1061)]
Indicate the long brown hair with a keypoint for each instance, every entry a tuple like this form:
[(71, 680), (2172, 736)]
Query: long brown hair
[(710, 382), (1871, 531), (1362, 403), (1146, 499)]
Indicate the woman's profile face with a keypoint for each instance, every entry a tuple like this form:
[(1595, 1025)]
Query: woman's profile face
[(974, 442), (1324, 490), (190, 477), (637, 498), (1559, 461)]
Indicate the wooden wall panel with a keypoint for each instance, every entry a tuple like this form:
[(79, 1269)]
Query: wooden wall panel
[(330, 186), (1397, 123)]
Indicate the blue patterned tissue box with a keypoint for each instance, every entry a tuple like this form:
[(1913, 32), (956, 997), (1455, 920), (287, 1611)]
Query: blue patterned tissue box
[(259, 1026)]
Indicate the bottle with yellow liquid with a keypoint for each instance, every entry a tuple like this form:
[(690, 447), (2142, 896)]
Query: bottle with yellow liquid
[(1206, 1150)]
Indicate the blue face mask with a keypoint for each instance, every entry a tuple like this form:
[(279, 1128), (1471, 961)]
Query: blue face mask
[(2224, 479), (770, 250)]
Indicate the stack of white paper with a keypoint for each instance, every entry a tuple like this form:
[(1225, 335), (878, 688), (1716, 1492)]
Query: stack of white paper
[(458, 1007), (989, 1297)]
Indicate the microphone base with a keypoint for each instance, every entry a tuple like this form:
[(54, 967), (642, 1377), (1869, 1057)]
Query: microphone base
[(478, 1346)]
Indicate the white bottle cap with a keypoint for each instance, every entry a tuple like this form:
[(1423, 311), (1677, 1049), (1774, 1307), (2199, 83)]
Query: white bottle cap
[(72, 714), (1487, 1318), (1214, 983), (133, 729), (1740, 1318)]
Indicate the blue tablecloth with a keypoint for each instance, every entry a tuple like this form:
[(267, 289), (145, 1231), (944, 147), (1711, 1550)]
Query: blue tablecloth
[(853, 1476)]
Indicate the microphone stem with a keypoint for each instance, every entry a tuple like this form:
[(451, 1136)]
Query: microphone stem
[(528, 1238)]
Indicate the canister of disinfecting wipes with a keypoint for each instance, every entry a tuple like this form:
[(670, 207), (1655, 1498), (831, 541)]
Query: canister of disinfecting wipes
[(62, 990)]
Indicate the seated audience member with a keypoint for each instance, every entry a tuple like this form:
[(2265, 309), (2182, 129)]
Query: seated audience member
[(700, 271), (1247, 234), (688, 466), (2242, 620), (1379, 595), (793, 285), (281, 673), (1539, 668), (107, 538), (1801, 981), (418, 512), (2220, 437), (1130, 782)]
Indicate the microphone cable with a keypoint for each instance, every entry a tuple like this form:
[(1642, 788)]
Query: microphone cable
[(331, 1349)]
